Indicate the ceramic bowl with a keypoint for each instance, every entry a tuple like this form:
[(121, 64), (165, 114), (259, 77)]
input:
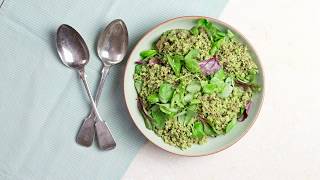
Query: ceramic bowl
[(214, 144)]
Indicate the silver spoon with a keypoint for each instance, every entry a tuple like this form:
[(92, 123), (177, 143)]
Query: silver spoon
[(74, 53), (112, 47)]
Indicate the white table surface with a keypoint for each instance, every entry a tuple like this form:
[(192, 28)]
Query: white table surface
[(284, 142)]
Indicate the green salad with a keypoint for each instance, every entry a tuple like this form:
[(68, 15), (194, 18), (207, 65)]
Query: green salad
[(195, 84)]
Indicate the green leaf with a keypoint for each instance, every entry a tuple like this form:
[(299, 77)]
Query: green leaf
[(208, 129), (191, 63), (158, 116), (228, 88), (195, 101), (230, 125), (194, 31), (165, 92), (188, 98), (138, 85), (221, 34), (219, 84), (197, 130), (230, 34), (252, 77), (194, 87), (202, 22), (177, 100), (220, 74), (153, 98), (148, 53), (175, 63), (137, 69), (147, 123), (208, 88), (219, 43), (213, 50), (167, 109), (192, 54)]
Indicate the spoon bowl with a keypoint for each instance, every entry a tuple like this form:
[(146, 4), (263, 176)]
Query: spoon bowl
[(113, 43), (71, 47)]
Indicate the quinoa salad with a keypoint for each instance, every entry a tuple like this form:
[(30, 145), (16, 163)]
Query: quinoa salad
[(195, 84)]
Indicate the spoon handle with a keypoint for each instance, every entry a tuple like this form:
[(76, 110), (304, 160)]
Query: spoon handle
[(104, 136), (86, 132)]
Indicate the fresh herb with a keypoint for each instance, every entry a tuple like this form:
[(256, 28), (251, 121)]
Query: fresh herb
[(165, 92), (191, 63), (148, 53), (175, 63)]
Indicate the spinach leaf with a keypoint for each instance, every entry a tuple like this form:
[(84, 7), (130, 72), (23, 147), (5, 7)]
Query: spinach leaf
[(190, 62), (194, 31), (227, 90), (153, 98), (197, 130), (208, 129), (230, 125), (167, 109), (195, 101), (177, 100), (219, 84), (148, 120), (175, 63), (148, 53), (194, 87), (138, 85), (208, 88), (158, 116), (230, 34), (220, 74), (138, 69), (188, 98), (165, 92)]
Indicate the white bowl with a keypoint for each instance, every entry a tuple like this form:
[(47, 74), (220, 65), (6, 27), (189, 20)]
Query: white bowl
[(214, 144)]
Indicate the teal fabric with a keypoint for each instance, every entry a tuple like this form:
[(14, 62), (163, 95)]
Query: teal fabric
[(42, 103)]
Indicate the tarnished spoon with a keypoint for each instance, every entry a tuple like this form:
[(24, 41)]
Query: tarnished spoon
[(74, 53), (112, 47)]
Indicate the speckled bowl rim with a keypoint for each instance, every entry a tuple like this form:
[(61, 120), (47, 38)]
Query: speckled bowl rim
[(260, 71)]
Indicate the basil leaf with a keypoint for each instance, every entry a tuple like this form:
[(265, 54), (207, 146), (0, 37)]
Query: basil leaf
[(153, 98), (158, 116), (175, 63), (197, 130), (148, 53), (194, 87), (165, 92), (230, 125)]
